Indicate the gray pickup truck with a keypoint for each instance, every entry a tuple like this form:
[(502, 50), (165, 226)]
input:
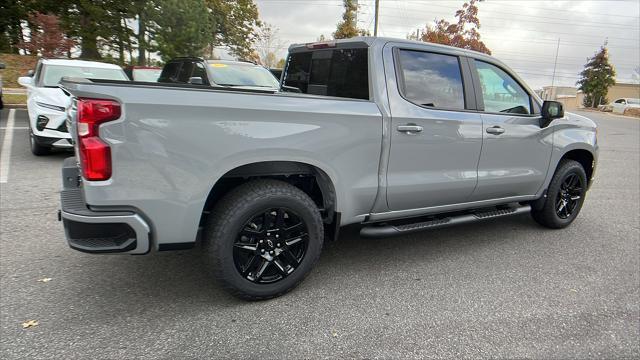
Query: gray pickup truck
[(395, 135)]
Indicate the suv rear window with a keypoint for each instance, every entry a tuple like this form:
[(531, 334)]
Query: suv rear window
[(330, 72)]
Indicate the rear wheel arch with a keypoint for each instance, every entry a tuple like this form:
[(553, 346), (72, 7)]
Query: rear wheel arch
[(314, 181)]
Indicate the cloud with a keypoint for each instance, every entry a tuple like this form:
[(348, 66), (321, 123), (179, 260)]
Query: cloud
[(523, 34)]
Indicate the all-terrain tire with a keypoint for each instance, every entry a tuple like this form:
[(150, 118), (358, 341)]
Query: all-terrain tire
[(230, 215)]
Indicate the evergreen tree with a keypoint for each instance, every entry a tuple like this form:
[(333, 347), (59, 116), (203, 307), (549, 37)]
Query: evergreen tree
[(348, 27), (144, 11), (183, 28), (10, 30), (234, 24), (86, 21), (596, 78)]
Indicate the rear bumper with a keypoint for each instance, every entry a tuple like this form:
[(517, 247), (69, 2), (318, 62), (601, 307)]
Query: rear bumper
[(93, 231)]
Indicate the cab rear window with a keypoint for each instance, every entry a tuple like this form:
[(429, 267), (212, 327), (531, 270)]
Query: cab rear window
[(330, 72)]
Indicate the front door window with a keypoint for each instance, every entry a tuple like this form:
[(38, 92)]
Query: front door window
[(501, 93)]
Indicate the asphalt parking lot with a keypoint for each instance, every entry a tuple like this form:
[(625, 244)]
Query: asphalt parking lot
[(498, 289)]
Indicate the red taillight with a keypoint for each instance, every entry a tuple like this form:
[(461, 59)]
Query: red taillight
[(95, 154)]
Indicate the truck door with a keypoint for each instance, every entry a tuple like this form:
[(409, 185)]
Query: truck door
[(435, 139), (516, 150)]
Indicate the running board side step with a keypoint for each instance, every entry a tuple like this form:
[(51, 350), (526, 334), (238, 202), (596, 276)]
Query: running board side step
[(385, 230)]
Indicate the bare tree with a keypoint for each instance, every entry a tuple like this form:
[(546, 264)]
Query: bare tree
[(268, 45)]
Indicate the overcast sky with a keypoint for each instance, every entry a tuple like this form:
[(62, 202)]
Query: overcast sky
[(524, 34)]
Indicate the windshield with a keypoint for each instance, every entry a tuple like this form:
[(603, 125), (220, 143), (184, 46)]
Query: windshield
[(227, 74), (53, 73), (148, 75), (633, 101)]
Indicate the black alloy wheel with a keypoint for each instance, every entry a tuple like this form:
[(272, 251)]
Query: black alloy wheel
[(263, 238), (270, 246), (565, 196), (569, 195)]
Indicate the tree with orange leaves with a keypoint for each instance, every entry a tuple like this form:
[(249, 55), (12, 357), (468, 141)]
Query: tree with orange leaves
[(463, 34)]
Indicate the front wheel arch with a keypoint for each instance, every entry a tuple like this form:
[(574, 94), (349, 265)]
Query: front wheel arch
[(584, 157)]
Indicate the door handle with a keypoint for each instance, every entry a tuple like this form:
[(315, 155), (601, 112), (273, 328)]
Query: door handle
[(495, 130), (410, 128)]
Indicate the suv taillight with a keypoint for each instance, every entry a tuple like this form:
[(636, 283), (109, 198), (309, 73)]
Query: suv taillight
[(95, 154)]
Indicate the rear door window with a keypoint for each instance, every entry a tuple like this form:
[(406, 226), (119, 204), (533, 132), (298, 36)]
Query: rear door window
[(330, 72), (431, 80), (170, 72), (185, 72)]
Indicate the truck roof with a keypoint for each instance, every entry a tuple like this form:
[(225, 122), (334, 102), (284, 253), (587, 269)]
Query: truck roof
[(370, 41), (83, 63)]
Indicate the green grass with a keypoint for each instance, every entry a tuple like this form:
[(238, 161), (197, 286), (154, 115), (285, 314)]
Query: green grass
[(14, 99)]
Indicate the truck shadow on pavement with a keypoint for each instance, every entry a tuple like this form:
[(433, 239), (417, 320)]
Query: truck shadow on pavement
[(174, 279)]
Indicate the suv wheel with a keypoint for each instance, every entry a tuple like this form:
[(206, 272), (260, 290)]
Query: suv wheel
[(36, 148), (263, 239), (565, 196)]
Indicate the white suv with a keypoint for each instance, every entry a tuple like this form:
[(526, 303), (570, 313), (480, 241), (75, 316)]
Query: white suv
[(47, 103)]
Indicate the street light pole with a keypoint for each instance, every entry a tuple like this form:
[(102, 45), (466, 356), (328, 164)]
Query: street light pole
[(555, 64), (375, 21)]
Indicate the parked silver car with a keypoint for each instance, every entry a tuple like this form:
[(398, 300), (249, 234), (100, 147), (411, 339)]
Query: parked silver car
[(396, 135)]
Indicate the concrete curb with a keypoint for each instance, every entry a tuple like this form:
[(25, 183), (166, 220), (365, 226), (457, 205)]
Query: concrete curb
[(609, 113), (15, 106)]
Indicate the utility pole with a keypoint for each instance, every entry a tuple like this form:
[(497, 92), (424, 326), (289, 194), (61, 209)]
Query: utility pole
[(375, 21), (555, 64)]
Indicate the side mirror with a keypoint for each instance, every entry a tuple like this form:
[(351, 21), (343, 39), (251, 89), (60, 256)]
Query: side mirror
[(30, 73), (552, 110), (196, 80), (25, 81), (1, 66)]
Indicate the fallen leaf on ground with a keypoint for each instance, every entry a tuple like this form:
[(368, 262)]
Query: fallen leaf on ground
[(29, 323), (334, 333), (44, 280), (573, 290)]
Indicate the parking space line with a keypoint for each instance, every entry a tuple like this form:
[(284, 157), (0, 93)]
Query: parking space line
[(5, 157)]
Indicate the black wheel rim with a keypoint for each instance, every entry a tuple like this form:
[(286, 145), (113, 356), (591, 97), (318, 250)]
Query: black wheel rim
[(569, 196), (270, 246)]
